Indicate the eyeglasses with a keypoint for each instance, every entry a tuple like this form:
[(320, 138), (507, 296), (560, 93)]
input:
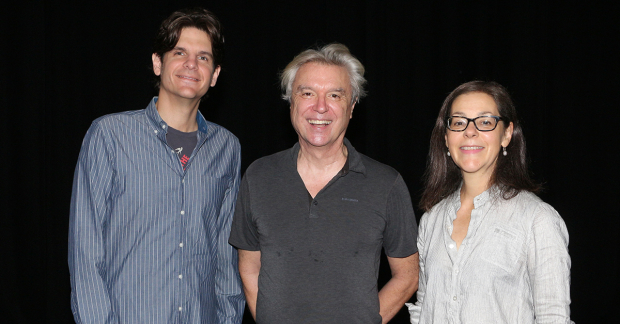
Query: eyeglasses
[(482, 123)]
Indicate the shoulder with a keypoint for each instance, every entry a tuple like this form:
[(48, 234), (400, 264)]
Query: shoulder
[(105, 127), (434, 214), (219, 133), (527, 203), (270, 164), (378, 170), (120, 118), (531, 211)]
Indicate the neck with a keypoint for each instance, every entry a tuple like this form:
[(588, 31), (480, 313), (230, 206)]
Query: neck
[(321, 158), (178, 113), (473, 186)]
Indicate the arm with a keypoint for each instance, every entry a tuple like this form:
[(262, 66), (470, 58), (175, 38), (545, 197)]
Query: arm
[(90, 300), (399, 242), (400, 288), (415, 309), (230, 301), (249, 268), (549, 267)]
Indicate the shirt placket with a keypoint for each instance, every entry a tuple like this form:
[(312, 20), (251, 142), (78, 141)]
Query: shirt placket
[(180, 303), (454, 256), (178, 274)]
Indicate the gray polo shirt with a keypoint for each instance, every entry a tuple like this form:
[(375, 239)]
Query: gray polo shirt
[(320, 257)]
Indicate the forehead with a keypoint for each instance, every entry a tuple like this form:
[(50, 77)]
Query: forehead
[(474, 103), (322, 75), (194, 36)]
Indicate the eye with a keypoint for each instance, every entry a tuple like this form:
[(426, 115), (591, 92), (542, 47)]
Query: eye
[(179, 53), (203, 58), (305, 94), (334, 96), (458, 122)]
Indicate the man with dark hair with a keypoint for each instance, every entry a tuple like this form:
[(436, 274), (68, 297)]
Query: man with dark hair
[(311, 221), (153, 197)]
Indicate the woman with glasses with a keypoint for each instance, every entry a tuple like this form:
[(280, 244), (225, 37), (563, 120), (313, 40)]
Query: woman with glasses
[(490, 250)]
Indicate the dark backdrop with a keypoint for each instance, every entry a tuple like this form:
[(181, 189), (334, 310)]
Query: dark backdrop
[(63, 65)]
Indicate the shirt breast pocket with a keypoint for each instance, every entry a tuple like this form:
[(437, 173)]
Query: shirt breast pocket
[(502, 248)]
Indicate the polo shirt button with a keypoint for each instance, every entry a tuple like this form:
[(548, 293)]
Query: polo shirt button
[(316, 202)]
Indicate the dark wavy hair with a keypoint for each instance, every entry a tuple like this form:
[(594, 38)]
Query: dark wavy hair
[(511, 175), (170, 31)]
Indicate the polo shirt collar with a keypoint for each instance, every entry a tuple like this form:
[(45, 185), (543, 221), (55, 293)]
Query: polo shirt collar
[(354, 160)]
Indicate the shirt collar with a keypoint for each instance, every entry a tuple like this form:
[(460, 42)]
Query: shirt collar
[(354, 160), (479, 201), (155, 118)]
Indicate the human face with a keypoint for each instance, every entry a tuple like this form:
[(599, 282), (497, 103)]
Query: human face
[(321, 104), (187, 70), (473, 151)]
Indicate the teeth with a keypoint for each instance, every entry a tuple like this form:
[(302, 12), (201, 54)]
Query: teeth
[(184, 77), (469, 148), (320, 122)]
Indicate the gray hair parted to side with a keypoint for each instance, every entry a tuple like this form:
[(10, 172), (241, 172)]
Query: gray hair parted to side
[(331, 54)]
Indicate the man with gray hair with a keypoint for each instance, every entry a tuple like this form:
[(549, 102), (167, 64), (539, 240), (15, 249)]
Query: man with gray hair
[(310, 221)]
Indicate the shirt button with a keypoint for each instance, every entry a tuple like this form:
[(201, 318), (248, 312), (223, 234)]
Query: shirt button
[(182, 212), (155, 131), (183, 181), (454, 298), (180, 276), (316, 202), (180, 308), (163, 126), (181, 244), (451, 246)]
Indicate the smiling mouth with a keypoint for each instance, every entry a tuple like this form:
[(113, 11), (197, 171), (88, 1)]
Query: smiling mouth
[(471, 148), (319, 122), (187, 78)]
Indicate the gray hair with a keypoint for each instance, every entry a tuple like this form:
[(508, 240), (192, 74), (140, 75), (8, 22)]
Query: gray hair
[(332, 54)]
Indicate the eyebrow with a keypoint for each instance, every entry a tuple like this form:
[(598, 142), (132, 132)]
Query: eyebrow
[(303, 87), (484, 113), (179, 48)]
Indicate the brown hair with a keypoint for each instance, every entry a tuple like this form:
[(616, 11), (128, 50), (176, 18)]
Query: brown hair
[(170, 31), (443, 176)]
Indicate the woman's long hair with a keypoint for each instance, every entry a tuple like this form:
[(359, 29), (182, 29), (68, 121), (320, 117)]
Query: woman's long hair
[(443, 176)]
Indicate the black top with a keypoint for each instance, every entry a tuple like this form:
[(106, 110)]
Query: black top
[(320, 261), (183, 143)]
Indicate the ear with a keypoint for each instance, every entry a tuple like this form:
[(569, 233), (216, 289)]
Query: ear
[(507, 135), (352, 107), (156, 64), (216, 73)]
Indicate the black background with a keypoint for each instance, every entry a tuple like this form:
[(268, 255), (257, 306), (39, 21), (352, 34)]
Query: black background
[(64, 64)]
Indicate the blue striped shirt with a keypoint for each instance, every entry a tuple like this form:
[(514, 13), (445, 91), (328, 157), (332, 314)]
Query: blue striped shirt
[(148, 241)]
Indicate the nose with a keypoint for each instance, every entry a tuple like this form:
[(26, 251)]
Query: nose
[(471, 130), (191, 62), (321, 105)]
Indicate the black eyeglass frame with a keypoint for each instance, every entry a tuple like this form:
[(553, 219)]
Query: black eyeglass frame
[(497, 119)]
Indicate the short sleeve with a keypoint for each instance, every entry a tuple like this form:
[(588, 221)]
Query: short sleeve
[(400, 235), (243, 234)]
